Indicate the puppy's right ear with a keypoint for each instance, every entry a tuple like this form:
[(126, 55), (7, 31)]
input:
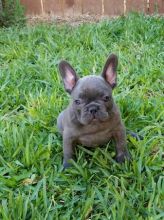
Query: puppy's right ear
[(69, 75)]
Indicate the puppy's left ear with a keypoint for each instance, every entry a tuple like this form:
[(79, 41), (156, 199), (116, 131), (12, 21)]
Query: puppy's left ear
[(109, 71)]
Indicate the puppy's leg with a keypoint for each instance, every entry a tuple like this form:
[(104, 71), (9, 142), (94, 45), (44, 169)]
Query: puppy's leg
[(59, 122), (67, 150), (135, 135), (121, 145)]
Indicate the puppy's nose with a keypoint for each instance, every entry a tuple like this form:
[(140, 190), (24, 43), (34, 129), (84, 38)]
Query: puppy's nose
[(93, 110)]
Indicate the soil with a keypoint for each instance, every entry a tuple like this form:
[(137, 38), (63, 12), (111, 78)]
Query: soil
[(74, 20)]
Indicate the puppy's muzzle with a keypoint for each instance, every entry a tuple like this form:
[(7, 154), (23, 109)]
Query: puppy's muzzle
[(93, 109)]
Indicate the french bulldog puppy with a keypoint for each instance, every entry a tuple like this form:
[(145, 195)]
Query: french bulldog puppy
[(92, 117)]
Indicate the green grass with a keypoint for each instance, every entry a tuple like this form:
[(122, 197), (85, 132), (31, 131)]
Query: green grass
[(32, 184)]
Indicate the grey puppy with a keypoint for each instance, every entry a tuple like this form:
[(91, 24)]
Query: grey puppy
[(92, 117)]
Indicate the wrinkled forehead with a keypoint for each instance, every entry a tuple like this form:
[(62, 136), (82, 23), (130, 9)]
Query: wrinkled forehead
[(91, 86)]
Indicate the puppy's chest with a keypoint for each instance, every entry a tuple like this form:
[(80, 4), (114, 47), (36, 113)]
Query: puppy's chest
[(95, 136)]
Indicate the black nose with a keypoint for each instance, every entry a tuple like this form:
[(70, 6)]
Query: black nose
[(93, 110)]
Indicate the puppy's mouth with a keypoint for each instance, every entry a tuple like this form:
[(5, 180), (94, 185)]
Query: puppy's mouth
[(100, 118), (94, 118)]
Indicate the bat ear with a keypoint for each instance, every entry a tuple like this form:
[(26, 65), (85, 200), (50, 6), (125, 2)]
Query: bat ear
[(68, 75), (109, 71)]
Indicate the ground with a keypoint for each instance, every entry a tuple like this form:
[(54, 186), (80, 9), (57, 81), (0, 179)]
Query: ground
[(32, 182)]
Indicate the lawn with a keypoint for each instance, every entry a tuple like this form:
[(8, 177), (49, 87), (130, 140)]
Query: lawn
[(32, 183)]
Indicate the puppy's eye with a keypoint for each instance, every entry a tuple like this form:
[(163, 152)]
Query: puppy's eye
[(77, 102), (106, 98)]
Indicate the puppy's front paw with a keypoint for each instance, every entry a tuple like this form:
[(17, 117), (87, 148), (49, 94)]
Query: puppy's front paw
[(122, 157), (66, 165)]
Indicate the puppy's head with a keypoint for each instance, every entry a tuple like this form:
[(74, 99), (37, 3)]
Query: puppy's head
[(91, 95)]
